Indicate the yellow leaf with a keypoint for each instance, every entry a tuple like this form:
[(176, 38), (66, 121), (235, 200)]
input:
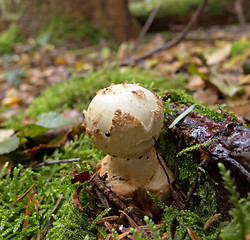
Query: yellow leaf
[(60, 61), (9, 101)]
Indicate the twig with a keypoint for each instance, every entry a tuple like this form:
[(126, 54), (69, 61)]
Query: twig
[(102, 198), (148, 23), (238, 5), (159, 161), (173, 192), (98, 181), (57, 162), (20, 198), (57, 204), (49, 225), (191, 191), (171, 43)]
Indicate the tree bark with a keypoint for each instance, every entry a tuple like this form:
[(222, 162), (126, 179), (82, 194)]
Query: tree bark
[(111, 15)]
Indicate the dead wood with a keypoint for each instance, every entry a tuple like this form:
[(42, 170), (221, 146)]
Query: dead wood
[(173, 42), (148, 23), (111, 196), (229, 144)]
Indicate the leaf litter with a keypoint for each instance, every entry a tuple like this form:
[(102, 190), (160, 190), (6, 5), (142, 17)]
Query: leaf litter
[(207, 63)]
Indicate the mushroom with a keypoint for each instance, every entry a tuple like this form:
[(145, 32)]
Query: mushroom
[(123, 121)]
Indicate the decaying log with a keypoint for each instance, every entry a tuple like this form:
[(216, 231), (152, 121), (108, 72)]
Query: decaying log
[(229, 143)]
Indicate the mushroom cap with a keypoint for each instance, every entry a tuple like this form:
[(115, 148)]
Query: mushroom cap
[(122, 120)]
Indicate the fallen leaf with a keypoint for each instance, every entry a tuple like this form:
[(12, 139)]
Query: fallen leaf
[(28, 211), (194, 70), (195, 83), (219, 56), (32, 130), (3, 161), (11, 97), (75, 198), (228, 89), (81, 177), (52, 120), (5, 134), (208, 96), (9, 145), (32, 152), (13, 77), (60, 61)]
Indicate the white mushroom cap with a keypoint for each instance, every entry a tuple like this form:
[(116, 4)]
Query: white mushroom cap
[(123, 119)]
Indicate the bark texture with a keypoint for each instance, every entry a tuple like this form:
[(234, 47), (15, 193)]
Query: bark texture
[(111, 15)]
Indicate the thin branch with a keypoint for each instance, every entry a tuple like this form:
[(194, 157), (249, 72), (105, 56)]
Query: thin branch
[(148, 23), (171, 43), (191, 191), (51, 219), (57, 162), (238, 5), (111, 196), (22, 197), (159, 161), (57, 204)]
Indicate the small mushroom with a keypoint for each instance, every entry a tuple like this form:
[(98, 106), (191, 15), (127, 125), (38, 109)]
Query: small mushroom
[(123, 120)]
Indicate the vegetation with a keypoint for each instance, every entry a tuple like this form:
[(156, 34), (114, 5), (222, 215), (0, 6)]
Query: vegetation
[(9, 38), (142, 9), (62, 28), (77, 92), (36, 199), (239, 227), (52, 180)]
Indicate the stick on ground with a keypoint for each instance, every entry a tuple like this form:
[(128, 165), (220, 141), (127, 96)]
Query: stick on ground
[(173, 42)]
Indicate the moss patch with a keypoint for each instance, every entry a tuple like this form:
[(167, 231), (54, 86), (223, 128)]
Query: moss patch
[(50, 181), (77, 92), (62, 28), (142, 9), (9, 38)]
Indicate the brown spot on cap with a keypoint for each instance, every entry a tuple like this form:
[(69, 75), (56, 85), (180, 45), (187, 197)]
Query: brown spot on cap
[(139, 93)]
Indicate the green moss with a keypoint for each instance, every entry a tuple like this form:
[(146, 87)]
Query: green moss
[(62, 28), (184, 168), (239, 47), (192, 148), (180, 96), (77, 92), (239, 227), (9, 38), (142, 9), (50, 181)]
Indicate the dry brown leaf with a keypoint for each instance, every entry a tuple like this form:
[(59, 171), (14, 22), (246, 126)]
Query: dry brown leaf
[(28, 209), (208, 96), (219, 56), (3, 160), (75, 198), (196, 83)]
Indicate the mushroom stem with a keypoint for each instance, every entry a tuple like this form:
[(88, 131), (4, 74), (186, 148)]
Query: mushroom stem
[(126, 175)]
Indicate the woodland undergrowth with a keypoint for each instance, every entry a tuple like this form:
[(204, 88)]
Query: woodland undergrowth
[(52, 181)]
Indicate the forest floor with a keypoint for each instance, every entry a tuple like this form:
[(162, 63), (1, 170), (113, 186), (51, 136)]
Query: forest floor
[(214, 61), (214, 65)]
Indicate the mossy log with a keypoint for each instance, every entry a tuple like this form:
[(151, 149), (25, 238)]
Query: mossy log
[(221, 137)]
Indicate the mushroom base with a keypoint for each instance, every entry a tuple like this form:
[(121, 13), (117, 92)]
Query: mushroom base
[(131, 178)]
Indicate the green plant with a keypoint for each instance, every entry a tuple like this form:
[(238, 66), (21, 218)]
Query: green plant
[(77, 92), (63, 28), (9, 38), (49, 182), (181, 219), (239, 227), (239, 47), (141, 9)]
